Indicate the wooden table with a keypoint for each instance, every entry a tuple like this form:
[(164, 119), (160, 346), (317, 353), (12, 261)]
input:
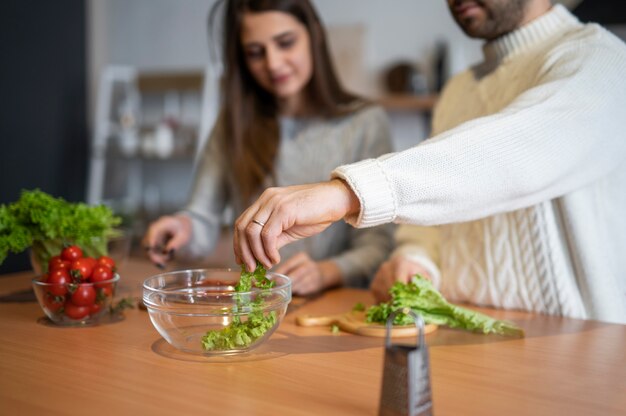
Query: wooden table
[(562, 367)]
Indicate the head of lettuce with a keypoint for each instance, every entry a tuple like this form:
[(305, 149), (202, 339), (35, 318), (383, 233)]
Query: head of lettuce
[(46, 224)]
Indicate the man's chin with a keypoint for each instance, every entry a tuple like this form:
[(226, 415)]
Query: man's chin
[(472, 28)]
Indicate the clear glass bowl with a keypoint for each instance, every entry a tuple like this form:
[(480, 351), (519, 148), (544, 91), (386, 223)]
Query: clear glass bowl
[(56, 301), (198, 311)]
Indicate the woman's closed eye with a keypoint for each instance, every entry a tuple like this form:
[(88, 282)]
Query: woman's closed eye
[(286, 43), (255, 52)]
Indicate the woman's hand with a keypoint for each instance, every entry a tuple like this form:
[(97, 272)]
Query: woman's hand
[(396, 269), (308, 276), (165, 236), (283, 215)]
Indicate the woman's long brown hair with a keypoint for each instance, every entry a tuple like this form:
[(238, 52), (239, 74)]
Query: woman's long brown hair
[(249, 115)]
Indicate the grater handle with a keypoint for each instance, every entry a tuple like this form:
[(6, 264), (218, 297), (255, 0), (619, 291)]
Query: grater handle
[(417, 319)]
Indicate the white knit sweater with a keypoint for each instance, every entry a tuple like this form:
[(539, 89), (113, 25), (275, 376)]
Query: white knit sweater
[(527, 167)]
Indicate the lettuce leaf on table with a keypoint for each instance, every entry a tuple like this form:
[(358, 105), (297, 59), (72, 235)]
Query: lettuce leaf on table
[(420, 295)]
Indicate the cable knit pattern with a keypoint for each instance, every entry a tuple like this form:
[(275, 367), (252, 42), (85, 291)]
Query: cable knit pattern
[(525, 174)]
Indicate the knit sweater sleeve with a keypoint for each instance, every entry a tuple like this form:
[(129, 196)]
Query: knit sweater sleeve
[(367, 248), (208, 199), (560, 135)]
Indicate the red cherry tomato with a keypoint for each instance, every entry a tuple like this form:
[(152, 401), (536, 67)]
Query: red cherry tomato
[(63, 264), (105, 290), (53, 303), (106, 261), (54, 259), (95, 309), (71, 253), (74, 311), (91, 261), (100, 274), (59, 278), (84, 295), (56, 262), (82, 268)]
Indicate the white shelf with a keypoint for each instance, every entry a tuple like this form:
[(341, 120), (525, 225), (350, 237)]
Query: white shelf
[(145, 141)]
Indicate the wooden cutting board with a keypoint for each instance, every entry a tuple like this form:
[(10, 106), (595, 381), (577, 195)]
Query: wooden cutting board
[(354, 323)]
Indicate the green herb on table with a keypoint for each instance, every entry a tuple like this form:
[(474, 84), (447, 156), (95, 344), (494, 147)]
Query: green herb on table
[(121, 305), (46, 224), (241, 334), (420, 295), (358, 307), (334, 329)]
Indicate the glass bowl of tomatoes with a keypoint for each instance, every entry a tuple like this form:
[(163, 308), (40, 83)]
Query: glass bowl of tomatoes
[(216, 312), (76, 290)]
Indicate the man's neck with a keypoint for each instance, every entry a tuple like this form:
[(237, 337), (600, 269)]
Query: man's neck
[(534, 10)]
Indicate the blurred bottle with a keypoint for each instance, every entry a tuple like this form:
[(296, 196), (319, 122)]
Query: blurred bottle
[(441, 65), (405, 78)]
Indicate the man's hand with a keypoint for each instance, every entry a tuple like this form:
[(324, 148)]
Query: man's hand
[(396, 269), (283, 215)]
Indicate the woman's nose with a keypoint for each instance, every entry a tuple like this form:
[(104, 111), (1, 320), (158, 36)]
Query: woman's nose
[(273, 59)]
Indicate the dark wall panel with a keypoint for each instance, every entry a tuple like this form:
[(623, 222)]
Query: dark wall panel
[(42, 101), (606, 12)]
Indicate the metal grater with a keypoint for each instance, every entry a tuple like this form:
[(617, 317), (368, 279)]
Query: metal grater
[(406, 374)]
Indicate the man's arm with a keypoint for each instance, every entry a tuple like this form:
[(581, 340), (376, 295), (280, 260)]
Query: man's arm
[(558, 136)]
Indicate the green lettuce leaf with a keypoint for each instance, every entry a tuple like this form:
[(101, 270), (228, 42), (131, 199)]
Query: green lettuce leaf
[(241, 334)]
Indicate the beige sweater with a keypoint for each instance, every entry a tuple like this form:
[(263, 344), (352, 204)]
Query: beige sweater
[(527, 169)]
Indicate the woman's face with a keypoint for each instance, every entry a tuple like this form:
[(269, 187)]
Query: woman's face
[(277, 49)]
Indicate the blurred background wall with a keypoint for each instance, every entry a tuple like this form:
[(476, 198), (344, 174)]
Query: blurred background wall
[(162, 34)]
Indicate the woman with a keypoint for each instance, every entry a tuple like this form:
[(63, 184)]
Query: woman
[(285, 119)]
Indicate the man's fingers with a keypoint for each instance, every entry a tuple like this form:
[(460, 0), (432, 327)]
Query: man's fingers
[(269, 236), (255, 235), (380, 290), (381, 284), (255, 243), (283, 215), (406, 269), (243, 252), (403, 272)]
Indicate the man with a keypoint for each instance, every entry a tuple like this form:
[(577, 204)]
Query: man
[(525, 173)]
